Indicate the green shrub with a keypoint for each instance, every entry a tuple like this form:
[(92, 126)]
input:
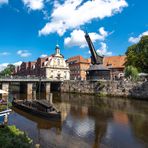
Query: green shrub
[(11, 137), (101, 94), (131, 72), (2, 107)]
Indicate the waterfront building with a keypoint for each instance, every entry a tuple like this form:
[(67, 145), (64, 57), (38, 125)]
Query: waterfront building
[(31, 68), (23, 70), (56, 67), (53, 67), (78, 66), (116, 64)]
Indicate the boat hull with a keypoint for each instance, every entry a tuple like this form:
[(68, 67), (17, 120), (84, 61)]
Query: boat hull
[(44, 115)]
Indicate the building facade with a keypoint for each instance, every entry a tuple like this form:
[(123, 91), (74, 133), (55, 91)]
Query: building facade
[(78, 66), (56, 67), (51, 67), (116, 64)]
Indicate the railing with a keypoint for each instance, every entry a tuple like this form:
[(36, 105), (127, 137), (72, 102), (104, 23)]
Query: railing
[(27, 78), (21, 77)]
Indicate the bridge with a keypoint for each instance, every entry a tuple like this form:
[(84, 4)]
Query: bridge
[(28, 79), (27, 84)]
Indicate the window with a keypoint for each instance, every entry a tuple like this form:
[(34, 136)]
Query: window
[(58, 61)]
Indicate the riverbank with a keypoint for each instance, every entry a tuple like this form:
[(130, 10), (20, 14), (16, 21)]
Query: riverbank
[(108, 88)]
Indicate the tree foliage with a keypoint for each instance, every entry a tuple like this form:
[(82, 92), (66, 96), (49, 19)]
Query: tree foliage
[(8, 70), (131, 72), (11, 137), (137, 55)]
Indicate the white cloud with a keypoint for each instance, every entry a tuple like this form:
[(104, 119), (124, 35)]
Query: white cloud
[(3, 2), (23, 53), (4, 53), (137, 39), (43, 55), (103, 50), (4, 65), (77, 37), (34, 4), (17, 63), (74, 13)]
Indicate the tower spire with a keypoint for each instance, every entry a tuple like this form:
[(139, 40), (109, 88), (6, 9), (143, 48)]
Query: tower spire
[(57, 49)]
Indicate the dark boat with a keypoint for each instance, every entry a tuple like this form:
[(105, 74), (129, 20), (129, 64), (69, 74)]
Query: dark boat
[(40, 108), (41, 122)]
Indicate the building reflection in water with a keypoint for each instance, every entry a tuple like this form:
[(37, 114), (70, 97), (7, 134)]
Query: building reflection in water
[(119, 125), (86, 122)]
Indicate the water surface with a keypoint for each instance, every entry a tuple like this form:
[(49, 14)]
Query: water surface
[(88, 122)]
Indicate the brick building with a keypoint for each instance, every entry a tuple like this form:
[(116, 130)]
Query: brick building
[(116, 65), (53, 67), (78, 66)]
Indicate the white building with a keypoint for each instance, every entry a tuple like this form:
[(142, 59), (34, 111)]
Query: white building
[(56, 67)]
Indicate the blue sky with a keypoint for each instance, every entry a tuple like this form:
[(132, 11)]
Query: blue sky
[(32, 28)]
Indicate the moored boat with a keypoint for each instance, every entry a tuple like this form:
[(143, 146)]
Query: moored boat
[(39, 108)]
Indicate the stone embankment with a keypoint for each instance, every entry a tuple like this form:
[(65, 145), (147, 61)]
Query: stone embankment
[(108, 88)]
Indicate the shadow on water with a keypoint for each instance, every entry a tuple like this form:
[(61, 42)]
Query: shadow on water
[(41, 123), (88, 121)]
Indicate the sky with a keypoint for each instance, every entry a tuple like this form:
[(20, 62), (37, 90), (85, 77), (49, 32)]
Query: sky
[(32, 28)]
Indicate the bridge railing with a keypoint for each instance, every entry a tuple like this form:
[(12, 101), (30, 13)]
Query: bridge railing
[(21, 77), (27, 78)]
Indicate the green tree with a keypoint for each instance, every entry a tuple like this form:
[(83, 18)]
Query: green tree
[(11, 67), (8, 70), (137, 55), (131, 72)]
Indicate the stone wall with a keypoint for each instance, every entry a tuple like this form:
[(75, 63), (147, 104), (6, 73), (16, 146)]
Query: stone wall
[(107, 88)]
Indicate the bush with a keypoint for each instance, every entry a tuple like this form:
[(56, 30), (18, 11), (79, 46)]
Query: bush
[(131, 72), (3, 107), (11, 137)]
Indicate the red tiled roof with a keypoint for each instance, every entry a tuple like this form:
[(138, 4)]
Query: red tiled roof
[(78, 59), (114, 61)]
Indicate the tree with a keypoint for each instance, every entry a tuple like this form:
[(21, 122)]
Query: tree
[(137, 55), (11, 67), (8, 70), (131, 72)]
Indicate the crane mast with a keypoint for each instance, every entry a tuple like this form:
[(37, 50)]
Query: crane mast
[(95, 58)]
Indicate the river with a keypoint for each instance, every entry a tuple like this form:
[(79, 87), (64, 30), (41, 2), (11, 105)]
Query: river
[(88, 122)]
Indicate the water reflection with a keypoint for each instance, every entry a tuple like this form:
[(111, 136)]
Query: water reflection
[(88, 122), (119, 134)]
